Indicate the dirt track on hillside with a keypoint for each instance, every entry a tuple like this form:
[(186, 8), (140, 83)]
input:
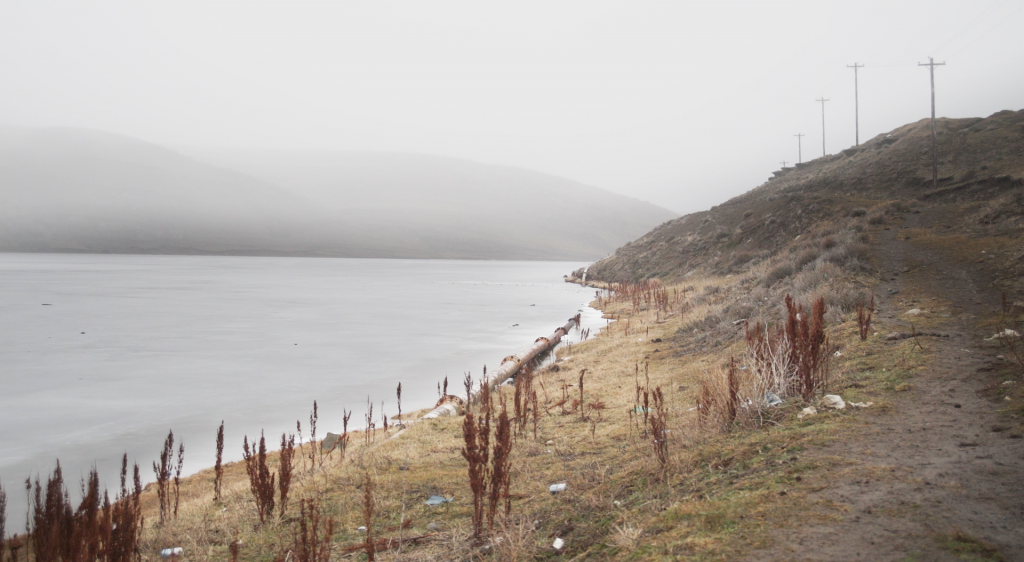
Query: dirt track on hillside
[(944, 461)]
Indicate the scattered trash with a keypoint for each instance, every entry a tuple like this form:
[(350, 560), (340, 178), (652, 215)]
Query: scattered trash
[(838, 354), (808, 411), (549, 442), (1007, 333), (893, 336), (558, 544), (555, 488), (1008, 383), (1000, 357), (641, 410), (617, 503), (914, 312), (438, 500), (361, 529), (862, 404), (833, 401), (771, 399), (172, 552), (743, 367)]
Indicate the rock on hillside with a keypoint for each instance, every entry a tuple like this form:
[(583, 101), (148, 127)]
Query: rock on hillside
[(980, 160)]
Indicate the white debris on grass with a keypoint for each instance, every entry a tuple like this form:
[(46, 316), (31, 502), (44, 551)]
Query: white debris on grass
[(808, 411), (558, 544), (833, 401), (862, 404)]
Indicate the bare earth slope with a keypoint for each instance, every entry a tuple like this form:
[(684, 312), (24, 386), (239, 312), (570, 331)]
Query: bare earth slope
[(944, 460)]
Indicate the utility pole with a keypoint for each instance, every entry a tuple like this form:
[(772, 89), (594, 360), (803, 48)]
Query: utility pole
[(799, 149), (856, 103), (931, 64), (783, 164), (822, 100)]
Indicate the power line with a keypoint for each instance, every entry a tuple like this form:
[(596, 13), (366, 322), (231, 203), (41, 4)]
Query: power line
[(931, 64), (856, 103), (822, 100)]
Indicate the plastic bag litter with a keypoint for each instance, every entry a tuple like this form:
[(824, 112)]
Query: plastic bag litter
[(809, 411), (833, 401), (771, 399), (862, 404), (438, 500), (169, 552), (558, 544), (555, 488)]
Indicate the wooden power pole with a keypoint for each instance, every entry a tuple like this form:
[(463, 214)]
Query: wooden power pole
[(931, 64), (856, 103), (799, 149), (822, 100)]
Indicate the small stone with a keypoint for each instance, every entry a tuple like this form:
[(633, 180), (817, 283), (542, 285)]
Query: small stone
[(433, 527), (956, 405), (549, 442)]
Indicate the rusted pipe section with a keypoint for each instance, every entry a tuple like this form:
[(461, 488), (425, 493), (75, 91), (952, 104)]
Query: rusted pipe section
[(508, 368)]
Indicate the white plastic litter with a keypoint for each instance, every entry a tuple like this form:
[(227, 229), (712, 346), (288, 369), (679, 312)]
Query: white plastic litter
[(438, 500), (862, 404), (838, 354), (913, 312), (558, 544), (361, 529), (808, 411), (771, 399), (1007, 333), (169, 552), (555, 488), (833, 401)]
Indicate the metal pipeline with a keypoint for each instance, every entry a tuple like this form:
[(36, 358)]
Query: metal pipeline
[(508, 368)]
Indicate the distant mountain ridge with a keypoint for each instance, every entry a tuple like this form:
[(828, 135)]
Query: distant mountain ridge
[(76, 190)]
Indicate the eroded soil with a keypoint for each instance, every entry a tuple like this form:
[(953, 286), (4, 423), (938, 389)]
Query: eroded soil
[(941, 475)]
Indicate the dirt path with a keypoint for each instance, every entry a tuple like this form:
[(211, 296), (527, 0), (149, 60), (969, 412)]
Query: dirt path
[(943, 460)]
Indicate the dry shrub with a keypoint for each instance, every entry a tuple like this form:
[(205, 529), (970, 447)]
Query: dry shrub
[(284, 480), (791, 359), (864, 318), (3, 519), (163, 472), (95, 531), (719, 399), (368, 545), (261, 482), (312, 542), (659, 427), (490, 469), (218, 468)]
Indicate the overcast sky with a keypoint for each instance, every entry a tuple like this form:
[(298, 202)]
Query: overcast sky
[(683, 104)]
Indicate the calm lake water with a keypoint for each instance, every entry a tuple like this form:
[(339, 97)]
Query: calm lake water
[(103, 354)]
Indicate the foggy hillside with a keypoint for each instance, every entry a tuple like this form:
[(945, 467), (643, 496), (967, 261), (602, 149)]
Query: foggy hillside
[(427, 205), (88, 191), (979, 161)]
